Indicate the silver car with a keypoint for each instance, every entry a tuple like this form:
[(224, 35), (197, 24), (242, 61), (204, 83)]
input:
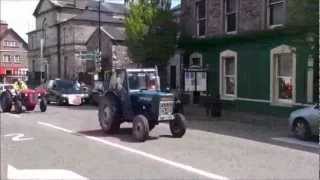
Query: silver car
[(305, 122)]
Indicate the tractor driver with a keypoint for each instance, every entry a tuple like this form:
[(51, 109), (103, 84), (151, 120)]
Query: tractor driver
[(19, 86)]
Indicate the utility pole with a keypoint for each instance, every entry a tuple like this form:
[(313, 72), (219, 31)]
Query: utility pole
[(99, 24), (98, 53)]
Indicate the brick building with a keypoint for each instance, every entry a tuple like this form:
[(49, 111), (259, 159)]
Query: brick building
[(257, 62), (62, 28), (13, 55)]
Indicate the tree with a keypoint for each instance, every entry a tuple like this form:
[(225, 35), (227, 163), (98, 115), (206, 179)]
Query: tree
[(151, 33)]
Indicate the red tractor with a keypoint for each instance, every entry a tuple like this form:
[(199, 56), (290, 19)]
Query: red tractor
[(28, 98)]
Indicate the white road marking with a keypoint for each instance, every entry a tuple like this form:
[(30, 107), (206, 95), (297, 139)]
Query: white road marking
[(47, 174), (55, 127), (18, 137), (13, 115), (296, 141), (144, 154)]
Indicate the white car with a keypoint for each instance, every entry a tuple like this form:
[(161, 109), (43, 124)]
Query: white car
[(3, 87), (304, 123)]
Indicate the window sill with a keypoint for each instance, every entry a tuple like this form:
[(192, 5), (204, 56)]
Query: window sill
[(276, 26), (232, 33), (201, 37), (228, 98)]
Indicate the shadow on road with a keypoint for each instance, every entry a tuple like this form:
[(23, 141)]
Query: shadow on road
[(254, 132), (72, 107)]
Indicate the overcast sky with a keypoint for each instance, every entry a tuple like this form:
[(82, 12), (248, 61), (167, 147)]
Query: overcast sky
[(18, 14)]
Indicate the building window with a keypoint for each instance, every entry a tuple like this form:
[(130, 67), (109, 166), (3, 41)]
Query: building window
[(10, 43), (283, 68), (228, 74), (201, 17), (276, 12), (16, 59), (231, 16), (6, 58), (196, 60)]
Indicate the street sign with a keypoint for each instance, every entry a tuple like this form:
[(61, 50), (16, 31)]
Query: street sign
[(88, 56)]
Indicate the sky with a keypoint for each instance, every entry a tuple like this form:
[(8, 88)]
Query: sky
[(18, 14)]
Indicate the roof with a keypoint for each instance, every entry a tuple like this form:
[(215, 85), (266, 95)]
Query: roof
[(92, 5), (3, 35), (93, 16), (56, 3), (63, 3), (107, 7), (117, 33), (3, 22)]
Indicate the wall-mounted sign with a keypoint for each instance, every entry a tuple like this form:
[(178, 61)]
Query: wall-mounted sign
[(195, 80)]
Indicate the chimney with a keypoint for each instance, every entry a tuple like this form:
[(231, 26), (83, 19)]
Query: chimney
[(3, 26)]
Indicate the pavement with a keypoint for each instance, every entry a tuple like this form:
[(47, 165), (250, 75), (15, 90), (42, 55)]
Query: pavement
[(66, 142)]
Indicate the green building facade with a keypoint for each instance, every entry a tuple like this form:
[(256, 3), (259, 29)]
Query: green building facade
[(271, 72)]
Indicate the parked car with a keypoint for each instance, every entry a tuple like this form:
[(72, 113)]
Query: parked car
[(304, 123), (66, 92), (4, 87)]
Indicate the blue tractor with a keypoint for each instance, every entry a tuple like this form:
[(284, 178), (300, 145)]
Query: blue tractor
[(133, 95)]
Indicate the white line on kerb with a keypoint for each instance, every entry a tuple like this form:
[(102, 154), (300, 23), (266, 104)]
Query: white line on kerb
[(144, 154)]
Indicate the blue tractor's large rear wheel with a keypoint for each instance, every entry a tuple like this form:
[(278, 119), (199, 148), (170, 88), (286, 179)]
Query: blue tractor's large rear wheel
[(108, 115)]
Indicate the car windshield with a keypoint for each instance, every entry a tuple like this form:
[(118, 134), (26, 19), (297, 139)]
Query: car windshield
[(67, 85), (142, 81), (9, 87)]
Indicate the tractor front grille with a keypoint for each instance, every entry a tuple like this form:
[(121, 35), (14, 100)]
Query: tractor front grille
[(166, 107)]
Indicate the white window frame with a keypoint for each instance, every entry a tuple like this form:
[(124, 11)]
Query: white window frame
[(272, 26), (223, 55), (195, 55), (6, 59), (16, 58), (201, 19), (226, 14), (274, 86)]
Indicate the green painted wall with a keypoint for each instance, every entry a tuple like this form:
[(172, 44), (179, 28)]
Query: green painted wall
[(254, 71)]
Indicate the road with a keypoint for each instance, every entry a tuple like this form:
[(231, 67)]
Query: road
[(69, 141)]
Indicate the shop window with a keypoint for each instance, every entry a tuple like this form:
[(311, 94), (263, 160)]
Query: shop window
[(231, 16), (201, 17), (283, 75), (276, 12), (228, 74)]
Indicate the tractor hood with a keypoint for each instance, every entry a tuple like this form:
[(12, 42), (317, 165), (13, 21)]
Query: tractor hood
[(148, 96)]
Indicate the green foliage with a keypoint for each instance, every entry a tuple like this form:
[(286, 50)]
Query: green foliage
[(151, 33)]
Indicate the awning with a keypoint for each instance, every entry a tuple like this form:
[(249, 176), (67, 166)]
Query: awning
[(2, 71)]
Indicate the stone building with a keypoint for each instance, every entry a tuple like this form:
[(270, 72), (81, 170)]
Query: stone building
[(257, 62), (13, 55), (113, 50), (62, 29), (175, 63)]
